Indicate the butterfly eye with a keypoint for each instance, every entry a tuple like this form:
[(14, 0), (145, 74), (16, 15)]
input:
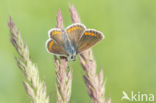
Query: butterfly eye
[(72, 58)]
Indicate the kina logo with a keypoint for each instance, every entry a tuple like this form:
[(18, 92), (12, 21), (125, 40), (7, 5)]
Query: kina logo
[(138, 96)]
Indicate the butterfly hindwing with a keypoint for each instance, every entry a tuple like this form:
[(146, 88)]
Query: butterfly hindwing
[(74, 33), (89, 38), (55, 48)]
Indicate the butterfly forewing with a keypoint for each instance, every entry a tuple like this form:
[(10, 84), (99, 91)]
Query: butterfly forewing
[(89, 38), (75, 32), (57, 35), (55, 48)]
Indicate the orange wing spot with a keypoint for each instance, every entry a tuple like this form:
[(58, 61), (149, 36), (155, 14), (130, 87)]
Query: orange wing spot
[(93, 34), (55, 32), (90, 34), (69, 30), (73, 28), (77, 27), (85, 33), (50, 45)]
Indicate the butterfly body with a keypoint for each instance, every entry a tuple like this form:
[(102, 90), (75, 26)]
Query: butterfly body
[(72, 41), (69, 47)]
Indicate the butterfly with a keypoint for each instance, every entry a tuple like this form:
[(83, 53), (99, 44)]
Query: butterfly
[(72, 41)]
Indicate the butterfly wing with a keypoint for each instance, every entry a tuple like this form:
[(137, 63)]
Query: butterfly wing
[(89, 38), (74, 32), (55, 44), (56, 34), (55, 48)]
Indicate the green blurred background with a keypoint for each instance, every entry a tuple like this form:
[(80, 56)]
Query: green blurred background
[(127, 54)]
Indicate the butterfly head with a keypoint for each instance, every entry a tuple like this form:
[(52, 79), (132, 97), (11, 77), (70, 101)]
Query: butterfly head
[(72, 54), (72, 57)]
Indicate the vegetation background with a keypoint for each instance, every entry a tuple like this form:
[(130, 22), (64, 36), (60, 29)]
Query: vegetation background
[(127, 54)]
